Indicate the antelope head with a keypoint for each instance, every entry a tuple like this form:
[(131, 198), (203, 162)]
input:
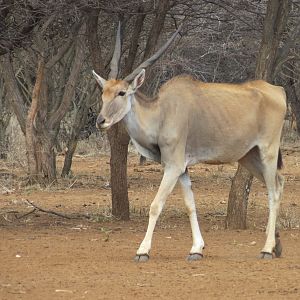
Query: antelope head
[(116, 93)]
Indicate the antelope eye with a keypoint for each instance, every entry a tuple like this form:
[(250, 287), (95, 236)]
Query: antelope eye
[(121, 93)]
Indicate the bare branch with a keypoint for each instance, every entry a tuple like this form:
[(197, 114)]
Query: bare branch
[(48, 211), (57, 116), (15, 95), (61, 52), (153, 58), (283, 53)]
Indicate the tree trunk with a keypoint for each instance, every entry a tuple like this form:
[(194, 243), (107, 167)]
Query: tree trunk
[(138, 26), (119, 139), (15, 96), (238, 200), (294, 90), (3, 139), (5, 116), (117, 135), (45, 158), (157, 26), (39, 143), (274, 25), (71, 147), (80, 120)]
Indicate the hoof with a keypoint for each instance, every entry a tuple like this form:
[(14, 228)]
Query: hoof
[(266, 255), (278, 247), (194, 256), (141, 258)]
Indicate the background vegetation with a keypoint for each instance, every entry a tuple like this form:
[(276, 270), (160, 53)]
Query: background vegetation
[(49, 100)]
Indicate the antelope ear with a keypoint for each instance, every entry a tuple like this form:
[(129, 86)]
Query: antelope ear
[(101, 81), (138, 80)]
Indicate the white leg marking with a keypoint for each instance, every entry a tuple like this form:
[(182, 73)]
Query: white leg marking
[(166, 186), (274, 182), (198, 243)]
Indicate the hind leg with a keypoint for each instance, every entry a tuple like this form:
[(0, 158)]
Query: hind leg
[(274, 182), (264, 167), (198, 243)]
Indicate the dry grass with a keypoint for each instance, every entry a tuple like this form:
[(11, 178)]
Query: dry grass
[(289, 218)]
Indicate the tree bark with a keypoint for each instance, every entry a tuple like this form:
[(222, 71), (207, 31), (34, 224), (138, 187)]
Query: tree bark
[(92, 39), (30, 121), (41, 123), (138, 26), (274, 25), (80, 120), (293, 91), (69, 90), (238, 200), (39, 144), (5, 116), (15, 96), (157, 26), (4, 121), (119, 139), (117, 135), (45, 158)]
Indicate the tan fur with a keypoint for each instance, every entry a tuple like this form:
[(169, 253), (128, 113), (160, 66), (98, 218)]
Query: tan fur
[(192, 121), (112, 88)]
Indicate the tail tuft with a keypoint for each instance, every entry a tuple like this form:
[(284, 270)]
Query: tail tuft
[(279, 161)]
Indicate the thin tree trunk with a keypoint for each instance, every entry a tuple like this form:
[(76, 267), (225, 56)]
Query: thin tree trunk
[(80, 120), (14, 94), (157, 26), (138, 26), (119, 139), (117, 135), (274, 25), (5, 116), (33, 152), (71, 147), (238, 200), (39, 142), (3, 137), (293, 93)]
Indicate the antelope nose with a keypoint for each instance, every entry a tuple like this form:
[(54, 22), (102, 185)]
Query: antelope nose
[(100, 120)]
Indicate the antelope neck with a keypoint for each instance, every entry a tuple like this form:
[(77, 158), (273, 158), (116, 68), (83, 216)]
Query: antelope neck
[(142, 121)]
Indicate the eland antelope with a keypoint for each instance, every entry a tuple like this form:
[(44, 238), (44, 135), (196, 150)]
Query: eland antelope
[(191, 122)]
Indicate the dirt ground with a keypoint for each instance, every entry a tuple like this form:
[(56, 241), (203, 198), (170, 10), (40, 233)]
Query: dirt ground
[(89, 255)]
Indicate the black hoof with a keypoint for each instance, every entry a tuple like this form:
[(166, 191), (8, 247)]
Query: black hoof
[(141, 257), (194, 256), (278, 247), (266, 255)]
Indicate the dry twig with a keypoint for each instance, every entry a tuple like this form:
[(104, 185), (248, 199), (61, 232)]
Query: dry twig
[(48, 211)]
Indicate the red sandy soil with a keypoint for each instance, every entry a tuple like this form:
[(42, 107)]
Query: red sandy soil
[(90, 256)]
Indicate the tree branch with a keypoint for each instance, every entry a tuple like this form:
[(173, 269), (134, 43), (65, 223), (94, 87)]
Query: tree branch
[(283, 53), (69, 91), (48, 211), (15, 95)]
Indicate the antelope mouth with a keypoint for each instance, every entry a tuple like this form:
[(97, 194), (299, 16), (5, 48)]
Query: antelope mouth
[(105, 126)]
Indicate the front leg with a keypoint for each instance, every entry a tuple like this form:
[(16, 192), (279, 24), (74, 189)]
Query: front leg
[(167, 184), (198, 243)]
